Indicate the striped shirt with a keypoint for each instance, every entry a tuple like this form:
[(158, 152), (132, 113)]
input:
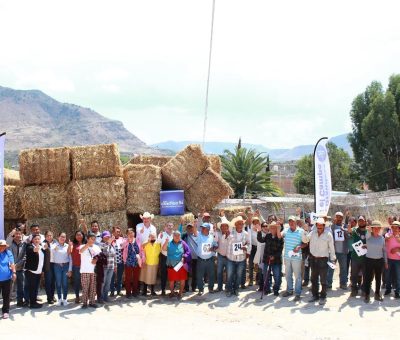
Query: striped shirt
[(292, 240), (110, 253)]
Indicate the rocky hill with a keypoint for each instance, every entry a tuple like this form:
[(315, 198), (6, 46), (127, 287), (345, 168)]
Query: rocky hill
[(33, 119)]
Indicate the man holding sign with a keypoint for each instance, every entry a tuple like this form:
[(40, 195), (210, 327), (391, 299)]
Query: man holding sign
[(205, 251), (238, 242), (340, 238)]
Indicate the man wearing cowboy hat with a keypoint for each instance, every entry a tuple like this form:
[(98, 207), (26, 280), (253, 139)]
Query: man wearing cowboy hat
[(221, 237), (292, 257), (205, 252), (143, 230), (321, 250), (340, 237), (357, 262), (238, 243)]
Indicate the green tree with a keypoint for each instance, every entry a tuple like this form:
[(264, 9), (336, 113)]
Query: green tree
[(375, 141), (343, 171), (244, 170)]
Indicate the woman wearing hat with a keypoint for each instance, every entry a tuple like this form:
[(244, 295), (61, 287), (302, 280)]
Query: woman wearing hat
[(7, 273), (375, 260)]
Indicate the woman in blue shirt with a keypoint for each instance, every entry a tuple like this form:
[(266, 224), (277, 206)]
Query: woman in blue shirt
[(7, 273)]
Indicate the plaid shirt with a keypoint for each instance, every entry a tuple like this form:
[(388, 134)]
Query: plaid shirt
[(110, 253)]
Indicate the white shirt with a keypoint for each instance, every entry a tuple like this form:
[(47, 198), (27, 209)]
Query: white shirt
[(143, 238), (39, 269), (164, 237), (60, 254), (86, 258)]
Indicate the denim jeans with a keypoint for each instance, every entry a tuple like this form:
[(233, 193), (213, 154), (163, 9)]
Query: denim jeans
[(205, 267), (342, 261), (276, 270), (49, 282), (105, 288), (221, 266), (21, 293), (235, 274), (61, 278), (293, 267), (251, 263), (393, 274), (116, 280), (76, 274)]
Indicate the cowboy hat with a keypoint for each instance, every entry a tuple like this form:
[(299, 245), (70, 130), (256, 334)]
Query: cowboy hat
[(273, 224), (237, 219), (395, 224), (376, 224), (225, 221), (320, 220), (147, 215), (3, 243)]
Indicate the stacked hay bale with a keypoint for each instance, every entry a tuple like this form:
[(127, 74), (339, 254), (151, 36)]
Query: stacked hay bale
[(215, 163), (150, 160), (11, 177), (13, 212), (97, 190), (45, 174), (191, 171)]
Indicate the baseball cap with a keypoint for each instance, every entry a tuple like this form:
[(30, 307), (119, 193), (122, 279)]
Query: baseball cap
[(105, 234)]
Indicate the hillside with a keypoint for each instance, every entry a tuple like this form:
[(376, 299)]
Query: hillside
[(33, 119)]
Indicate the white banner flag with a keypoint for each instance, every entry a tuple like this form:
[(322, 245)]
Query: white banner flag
[(323, 183), (2, 141)]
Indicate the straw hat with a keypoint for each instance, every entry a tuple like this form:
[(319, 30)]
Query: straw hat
[(224, 220), (273, 224), (237, 219), (376, 224), (3, 243), (255, 218), (395, 224), (147, 215), (320, 220)]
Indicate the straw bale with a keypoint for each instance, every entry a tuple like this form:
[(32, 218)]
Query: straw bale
[(95, 161), (12, 202), (98, 195), (41, 201), (106, 220), (215, 163), (208, 191), (44, 166), (143, 185), (160, 221), (150, 160), (56, 224), (183, 169), (11, 177)]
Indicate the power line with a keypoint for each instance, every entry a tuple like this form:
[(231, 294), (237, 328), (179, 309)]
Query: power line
[(208, 75)]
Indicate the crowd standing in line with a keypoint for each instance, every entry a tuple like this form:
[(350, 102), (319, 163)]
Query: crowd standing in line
[(100, 263)]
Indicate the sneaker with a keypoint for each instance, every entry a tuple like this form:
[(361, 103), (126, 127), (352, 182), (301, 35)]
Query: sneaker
[(51, 302), (6, 316), (287, 293), (313, 299), (276, 293), (112, 294), (297, 298), (200, 293), (305, 284), (322, 301), (378, 297), (59, 303), (20, 304), (94, 305), (65, 302), (387, 292)]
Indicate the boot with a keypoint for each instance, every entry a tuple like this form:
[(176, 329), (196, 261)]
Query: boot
[(144, 291)]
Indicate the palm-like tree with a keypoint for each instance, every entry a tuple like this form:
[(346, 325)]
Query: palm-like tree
[(245, 171)]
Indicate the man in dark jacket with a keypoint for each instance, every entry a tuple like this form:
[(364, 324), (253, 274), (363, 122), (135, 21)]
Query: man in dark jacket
[(272, 256)]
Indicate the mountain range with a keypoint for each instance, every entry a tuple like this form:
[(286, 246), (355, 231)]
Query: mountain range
[(275, 154)]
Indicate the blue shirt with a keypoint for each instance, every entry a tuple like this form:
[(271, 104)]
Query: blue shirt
[(6, 258), (202, 249), (292, 240), (133, 250), (174, 253)]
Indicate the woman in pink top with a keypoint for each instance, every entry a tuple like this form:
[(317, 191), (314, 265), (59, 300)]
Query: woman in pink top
[(393, 253)]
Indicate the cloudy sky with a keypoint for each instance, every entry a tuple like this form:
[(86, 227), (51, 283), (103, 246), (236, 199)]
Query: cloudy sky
[(283, 72)]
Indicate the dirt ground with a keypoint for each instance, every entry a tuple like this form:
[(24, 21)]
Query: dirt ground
[(211, 316)]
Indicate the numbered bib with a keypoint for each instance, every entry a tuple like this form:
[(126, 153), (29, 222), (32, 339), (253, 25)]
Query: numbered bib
[(206, 249), (237, 248), (339, 235)]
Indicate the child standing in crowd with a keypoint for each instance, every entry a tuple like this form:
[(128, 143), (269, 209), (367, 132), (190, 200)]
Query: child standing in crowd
[(148, 273)]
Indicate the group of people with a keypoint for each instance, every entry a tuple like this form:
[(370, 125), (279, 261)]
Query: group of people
[(189, 256)]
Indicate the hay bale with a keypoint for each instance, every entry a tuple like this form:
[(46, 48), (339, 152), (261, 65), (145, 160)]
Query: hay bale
[(44, 166), (11, 177), (95, 161), (215, 163), (12, 202), (143, 185), (150, 160), (230, 211), (160, 221), (208, 191), (106, 220), (98, 195), (56, 224), (41, 201), (182, 170)]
